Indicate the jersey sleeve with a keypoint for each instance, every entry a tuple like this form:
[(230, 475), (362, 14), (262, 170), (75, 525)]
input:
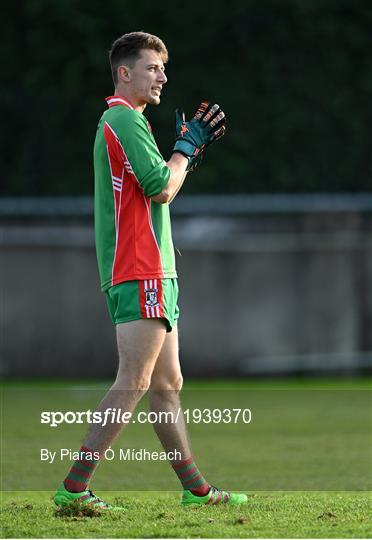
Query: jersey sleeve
[(143, 154)]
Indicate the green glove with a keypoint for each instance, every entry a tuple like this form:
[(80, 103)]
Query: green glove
[(207, 125)]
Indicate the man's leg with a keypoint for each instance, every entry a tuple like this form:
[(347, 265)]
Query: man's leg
[(166, 383), (139, 344)]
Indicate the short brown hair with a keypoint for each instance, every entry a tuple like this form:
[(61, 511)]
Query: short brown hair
[(127, 48)]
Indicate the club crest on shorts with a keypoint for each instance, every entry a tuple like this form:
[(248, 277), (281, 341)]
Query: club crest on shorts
[(151, 297)]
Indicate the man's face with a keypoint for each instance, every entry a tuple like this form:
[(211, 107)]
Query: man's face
[(147, 78)]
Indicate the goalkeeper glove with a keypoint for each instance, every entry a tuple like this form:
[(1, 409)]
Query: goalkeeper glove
[(207, 125)]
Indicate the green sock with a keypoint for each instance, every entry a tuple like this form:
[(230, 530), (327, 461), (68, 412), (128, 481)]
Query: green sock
[(190, 477), (80, 473)]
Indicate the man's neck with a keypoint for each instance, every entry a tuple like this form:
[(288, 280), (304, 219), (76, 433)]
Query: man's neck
[(131, 100)]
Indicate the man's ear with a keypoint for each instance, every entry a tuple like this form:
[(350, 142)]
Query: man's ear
[(124, 74)]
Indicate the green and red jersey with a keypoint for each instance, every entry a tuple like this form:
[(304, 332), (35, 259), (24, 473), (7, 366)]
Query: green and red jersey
[(133, 233)]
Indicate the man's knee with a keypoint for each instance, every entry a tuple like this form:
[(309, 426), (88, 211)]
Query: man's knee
[(142, 382), (178, 383), (167, 383)]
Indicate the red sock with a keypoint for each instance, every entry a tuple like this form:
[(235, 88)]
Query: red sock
[(80, 473), (190, 477)]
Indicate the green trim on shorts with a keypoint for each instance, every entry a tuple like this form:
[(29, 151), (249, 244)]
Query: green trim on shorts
[(144, 299)]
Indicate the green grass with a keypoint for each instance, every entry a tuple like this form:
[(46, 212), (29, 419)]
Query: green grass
[(304, 461), (151, 515)]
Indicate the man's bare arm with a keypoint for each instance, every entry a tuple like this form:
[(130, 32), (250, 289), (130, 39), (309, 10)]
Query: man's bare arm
[(177, 165)]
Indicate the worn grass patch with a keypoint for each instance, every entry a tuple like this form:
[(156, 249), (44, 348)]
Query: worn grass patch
[(77, 509)]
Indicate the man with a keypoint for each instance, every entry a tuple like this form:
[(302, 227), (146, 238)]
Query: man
[(133, 188)]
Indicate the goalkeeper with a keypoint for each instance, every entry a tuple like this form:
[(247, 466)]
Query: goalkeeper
[(133, 189)]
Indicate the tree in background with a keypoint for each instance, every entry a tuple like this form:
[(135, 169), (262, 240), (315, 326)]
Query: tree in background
[(294, 77)]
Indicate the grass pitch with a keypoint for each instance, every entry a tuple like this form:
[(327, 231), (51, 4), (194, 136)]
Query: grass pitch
[(159, 515), (315, 434)]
